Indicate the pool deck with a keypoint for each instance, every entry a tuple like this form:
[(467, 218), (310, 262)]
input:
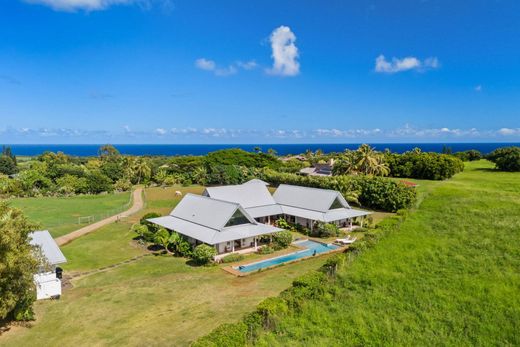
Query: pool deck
[(231, 270)]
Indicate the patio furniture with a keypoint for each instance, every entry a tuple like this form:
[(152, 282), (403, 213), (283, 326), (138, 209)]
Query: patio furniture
[(346, 241)]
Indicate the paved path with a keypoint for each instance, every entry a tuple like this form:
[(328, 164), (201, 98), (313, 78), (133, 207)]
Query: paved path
[(137, 205)]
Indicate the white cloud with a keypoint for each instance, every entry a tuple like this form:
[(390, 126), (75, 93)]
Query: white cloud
[(478, 88), (284, 52), (248, 65), (210, 65), (508, 131), (93, 5), (205, 64), (160, 131), (405, 64)]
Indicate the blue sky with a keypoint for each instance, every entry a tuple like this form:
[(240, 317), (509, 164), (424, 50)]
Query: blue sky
[(161, 71)]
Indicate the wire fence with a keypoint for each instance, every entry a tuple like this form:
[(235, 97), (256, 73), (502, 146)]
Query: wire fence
[(81, 221)]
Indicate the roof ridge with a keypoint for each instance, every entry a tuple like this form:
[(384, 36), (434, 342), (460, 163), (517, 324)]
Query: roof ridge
[(215, 199), (312, 188)]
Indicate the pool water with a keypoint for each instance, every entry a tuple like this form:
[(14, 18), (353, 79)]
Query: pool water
[(311, 247)]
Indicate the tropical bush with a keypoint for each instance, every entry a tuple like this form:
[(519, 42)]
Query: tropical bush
[(325, 230), (423, 165), (232, 258), (282, 239), (265, 250), (203, 254), (470, 155), (506, 159)]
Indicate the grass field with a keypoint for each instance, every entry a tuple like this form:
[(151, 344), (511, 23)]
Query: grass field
[(60, 215), (450, 276), (156, 300)]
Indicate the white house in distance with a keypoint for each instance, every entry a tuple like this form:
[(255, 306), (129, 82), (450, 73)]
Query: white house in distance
[(234, 217), (48, 285)]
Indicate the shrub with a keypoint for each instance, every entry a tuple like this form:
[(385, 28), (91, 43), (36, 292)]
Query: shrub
[(282, 239), (229, 335), (232, 258), (506, 158), (151, 226), (7, 165), (265, 250), (424, 165), (470, 155), (203, 254), (282, 223), (326, 230)]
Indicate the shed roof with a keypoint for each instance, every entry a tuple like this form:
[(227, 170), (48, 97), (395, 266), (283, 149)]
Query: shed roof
[(48, 246)]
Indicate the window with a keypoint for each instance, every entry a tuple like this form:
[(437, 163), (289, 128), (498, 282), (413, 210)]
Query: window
[(237, 218), (336, 204)]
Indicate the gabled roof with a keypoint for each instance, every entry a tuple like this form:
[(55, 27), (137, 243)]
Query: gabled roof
[(256, 180), (250, 194), (48, 246), (314, 199), (205, 211), (205, 218)]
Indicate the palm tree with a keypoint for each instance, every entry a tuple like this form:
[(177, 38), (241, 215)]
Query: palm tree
[(200, 175), (141, 169), (367, 159)]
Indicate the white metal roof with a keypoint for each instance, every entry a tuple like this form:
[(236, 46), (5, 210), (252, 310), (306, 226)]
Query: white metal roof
[(263, 211), (256, 180), (48, 246), (213, 236), (250, 194), (314, 199), (326, 217), (205, 211)]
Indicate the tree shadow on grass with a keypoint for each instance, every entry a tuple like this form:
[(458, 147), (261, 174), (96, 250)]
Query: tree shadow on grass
[(487, 169)]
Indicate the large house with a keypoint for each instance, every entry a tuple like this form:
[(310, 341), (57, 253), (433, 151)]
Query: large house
[(48, 278), (236, 216)]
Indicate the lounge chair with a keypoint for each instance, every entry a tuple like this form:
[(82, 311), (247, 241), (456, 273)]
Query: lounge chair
[(346, 241)]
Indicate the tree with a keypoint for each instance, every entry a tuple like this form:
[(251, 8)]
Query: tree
[(108, 151), (163, 238), (6, 150), (203, 254), (17, 265), (141, 169), (7, 165), (97, 183), (200, 175), (367, 159), (506, 158)]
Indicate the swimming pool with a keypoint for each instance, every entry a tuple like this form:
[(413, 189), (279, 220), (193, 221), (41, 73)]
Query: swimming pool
[(311, 248)]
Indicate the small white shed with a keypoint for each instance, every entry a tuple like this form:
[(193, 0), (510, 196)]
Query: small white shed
[(47, 284)]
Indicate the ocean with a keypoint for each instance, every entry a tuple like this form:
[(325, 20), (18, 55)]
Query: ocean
[(281, 149)]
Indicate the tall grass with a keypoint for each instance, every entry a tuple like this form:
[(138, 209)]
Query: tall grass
[(448, 276)]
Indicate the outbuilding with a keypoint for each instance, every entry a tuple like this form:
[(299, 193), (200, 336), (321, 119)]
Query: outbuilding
[(48, 277)]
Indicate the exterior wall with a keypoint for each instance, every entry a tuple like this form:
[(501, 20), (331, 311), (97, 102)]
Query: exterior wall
[(47, 285), (227, 247)]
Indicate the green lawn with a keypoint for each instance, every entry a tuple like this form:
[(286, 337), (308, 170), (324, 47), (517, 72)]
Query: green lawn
[(60, 215), (156, 300), (450, 276)]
